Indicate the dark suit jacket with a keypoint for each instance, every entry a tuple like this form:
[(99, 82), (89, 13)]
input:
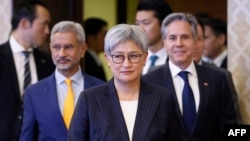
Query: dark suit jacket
[(233, 91), (224, 63), (98, 115), (229, 78), (215, 108), (42, 115), (92, 68), (10, 100)]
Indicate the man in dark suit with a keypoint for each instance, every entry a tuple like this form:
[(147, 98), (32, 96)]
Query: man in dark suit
[(212, 100), (149, 16), (30, 28), (215, 47), (95, 30), (197, 56), (48, 121)]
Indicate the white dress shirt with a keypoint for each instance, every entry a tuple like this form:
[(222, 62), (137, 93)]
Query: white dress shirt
[(61, 87), (162, 57), (218, 60), (179, 83), (19, 59)]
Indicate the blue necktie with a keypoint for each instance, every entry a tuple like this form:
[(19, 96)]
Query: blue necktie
[(153, 58), (189, 112)]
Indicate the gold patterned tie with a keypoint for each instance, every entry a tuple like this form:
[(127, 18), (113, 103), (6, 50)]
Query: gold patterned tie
[(68, 104)]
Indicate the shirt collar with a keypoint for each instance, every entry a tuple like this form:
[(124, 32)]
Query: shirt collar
[(75, 78), (17, 47), (159, 53), (175, 69), (218, 60)]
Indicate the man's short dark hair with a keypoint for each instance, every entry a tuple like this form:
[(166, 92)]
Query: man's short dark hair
[(160, 7), (25, 10), (217, 25), (93, 26)]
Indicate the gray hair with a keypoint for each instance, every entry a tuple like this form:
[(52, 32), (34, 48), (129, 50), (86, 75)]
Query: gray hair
[(122, 33), (179, 17), (69, 26)]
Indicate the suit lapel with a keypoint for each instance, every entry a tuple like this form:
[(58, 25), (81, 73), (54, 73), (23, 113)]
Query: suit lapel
[(51, 94), (113, 111), (203, 80), (147, 106), (170, 85), (10, 68)]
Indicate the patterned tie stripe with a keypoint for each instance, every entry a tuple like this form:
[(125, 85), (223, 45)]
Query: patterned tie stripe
[(27, 75)]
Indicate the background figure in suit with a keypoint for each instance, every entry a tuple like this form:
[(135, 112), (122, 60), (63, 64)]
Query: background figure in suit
[(44, 102), (198, 59), (95, 30), (125, 108), (213, 105), (149, 17), (30, 28), (215, 47)]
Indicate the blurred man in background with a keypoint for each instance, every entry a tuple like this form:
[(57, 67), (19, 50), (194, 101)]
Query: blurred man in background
[(22, 64), (149, 17), (95, 29)]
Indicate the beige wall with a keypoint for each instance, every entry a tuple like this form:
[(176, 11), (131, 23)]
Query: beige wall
[(5, 16), (239, 52)]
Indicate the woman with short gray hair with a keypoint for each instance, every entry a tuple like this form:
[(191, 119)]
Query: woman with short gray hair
[(125, 108)]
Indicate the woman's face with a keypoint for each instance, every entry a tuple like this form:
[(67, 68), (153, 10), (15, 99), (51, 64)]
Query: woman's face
[(126, 62)]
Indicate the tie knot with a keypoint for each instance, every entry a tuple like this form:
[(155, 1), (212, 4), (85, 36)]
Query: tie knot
[(184, 75), (153, 58), (68, 82), (26, 53)]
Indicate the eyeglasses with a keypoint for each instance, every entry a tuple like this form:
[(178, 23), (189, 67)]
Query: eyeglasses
[(133, 58)]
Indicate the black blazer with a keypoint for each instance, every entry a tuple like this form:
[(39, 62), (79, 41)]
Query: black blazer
[(98, 115), (92, 68), (10, 100), (229, 78), (215, 109), (224, 63)]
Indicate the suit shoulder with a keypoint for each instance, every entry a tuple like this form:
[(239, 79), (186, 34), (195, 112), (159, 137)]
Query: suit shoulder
[(96, 90), (5, 48), (96, 80), (209, 70), (211, 73), (41, 84), (156, 88), (155, 73)]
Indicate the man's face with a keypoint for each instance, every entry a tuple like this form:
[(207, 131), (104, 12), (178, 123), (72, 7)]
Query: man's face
[(180, 43), (199, 45), (66, 52), (99, 40), (150, 24), (39, 29), (213, 44)]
